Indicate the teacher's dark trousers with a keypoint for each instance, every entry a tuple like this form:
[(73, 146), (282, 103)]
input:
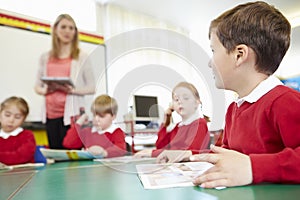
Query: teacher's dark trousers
[(56, 131)]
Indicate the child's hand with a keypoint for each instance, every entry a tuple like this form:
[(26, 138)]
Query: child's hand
[(143, 153), (169, 110), (97, 151), (83, 119), (168, 115), (231, 168), (172, 156)]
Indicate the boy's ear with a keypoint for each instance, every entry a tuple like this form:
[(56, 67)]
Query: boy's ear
[(241, 53)]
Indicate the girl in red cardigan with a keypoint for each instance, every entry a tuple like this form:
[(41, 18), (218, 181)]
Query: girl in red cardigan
[(17, 145), (191, 133), (104, 139)]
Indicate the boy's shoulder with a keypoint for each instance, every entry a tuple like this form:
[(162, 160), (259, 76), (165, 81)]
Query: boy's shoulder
[(281, 96), (113, 130), (282, 91), (118, 130)]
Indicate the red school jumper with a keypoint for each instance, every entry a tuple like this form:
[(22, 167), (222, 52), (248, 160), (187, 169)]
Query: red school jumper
[(18, 149), (113, 143), (194, 137), (269, 132)]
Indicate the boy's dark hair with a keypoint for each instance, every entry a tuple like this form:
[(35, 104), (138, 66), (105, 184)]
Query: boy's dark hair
[(259, 26), (104, 104)]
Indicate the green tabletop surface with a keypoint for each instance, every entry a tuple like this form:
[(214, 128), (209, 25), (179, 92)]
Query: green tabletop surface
[(86, 180)]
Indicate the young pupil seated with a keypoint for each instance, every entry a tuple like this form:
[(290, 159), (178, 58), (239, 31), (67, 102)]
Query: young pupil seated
[(104, 138), (261, 137), (191, 133), (17, 145)]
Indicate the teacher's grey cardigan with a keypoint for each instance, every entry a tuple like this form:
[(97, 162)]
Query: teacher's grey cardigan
[(82, 76)]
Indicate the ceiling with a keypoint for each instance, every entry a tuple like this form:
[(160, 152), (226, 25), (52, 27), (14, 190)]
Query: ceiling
[(190, 13), (196, 15)]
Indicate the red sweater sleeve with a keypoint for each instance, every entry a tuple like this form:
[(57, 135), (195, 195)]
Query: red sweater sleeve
[(201, 140), (194, 137), (114, 143), (163, 140), (18, 149), (118, 144), (72, 139), (164, 137)]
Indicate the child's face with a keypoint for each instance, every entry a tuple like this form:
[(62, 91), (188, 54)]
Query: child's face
[(184, 102), (104, 121), (222, 63), (11, 118)]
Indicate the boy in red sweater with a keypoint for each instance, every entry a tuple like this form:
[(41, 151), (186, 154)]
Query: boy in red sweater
[(261, 136), (17, 146), (103, 139)]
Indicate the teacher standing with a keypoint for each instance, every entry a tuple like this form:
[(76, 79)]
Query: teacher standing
[(65, 59)]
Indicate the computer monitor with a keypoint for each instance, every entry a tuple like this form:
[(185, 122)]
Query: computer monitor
[(145, 108)]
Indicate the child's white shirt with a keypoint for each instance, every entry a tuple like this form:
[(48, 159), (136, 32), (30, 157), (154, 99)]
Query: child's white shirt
[(15, 132)]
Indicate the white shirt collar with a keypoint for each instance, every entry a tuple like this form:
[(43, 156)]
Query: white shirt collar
[(110, 129), (263, 88), (192, 118), (15, 132)]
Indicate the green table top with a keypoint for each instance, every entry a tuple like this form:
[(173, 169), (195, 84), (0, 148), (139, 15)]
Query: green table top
[(86, 180)]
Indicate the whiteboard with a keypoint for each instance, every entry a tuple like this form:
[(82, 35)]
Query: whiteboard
[(20, 51)]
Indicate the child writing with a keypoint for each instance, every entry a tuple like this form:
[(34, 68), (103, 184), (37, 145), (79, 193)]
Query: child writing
[(103, 139), (17, 145), (261, 141), (191, 133)]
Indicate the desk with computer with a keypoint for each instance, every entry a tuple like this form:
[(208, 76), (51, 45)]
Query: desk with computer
[(141, 123)]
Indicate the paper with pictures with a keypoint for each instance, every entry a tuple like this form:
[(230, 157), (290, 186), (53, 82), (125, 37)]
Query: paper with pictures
[(60, 154), (156, 176)]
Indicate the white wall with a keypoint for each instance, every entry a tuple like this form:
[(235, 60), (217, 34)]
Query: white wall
[(20, 51), (49, 10), (290, 66)]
